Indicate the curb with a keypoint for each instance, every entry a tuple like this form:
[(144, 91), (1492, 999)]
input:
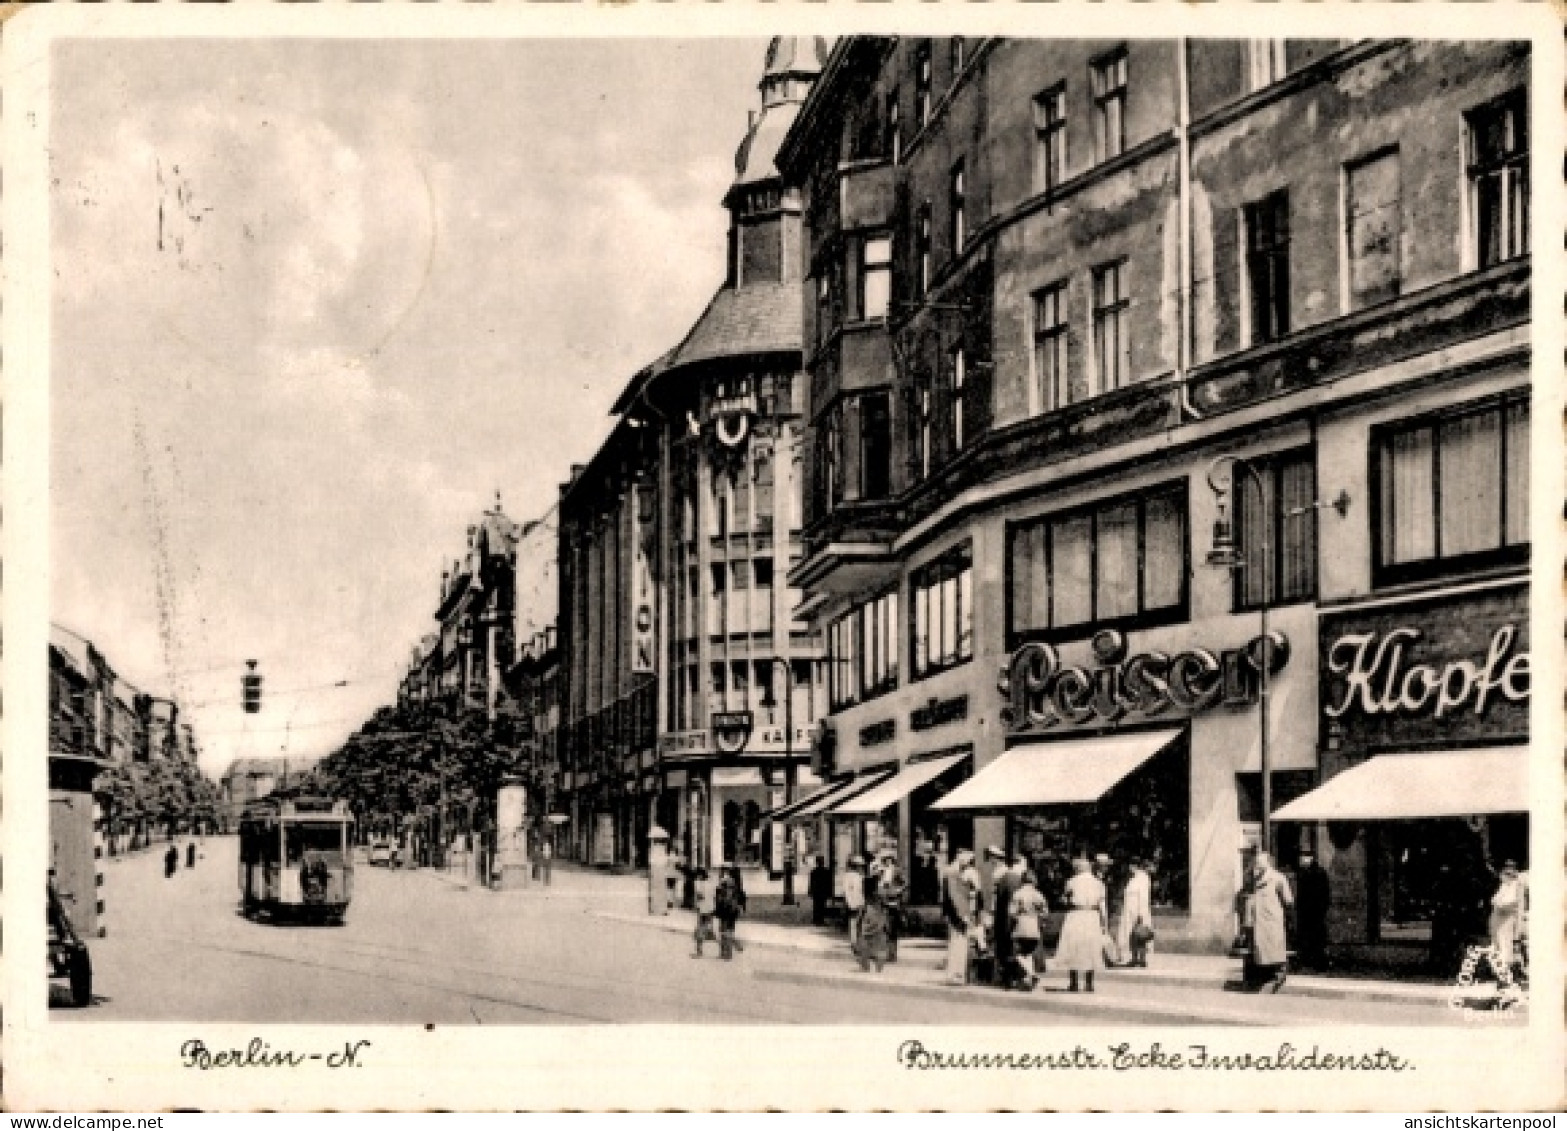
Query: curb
[(1297, 986), (1081, 1005)]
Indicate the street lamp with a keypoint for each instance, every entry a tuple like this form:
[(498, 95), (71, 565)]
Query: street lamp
[(1224, 554), (769, 701)]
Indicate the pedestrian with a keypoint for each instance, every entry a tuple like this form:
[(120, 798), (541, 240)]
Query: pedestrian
[(1026, 914), (1104, 869), (171, 862), (1313, 896), (546, 859), (190, 855), (1271, 901), (728, 905), (875, 933), (854, 899), (893, 892), (1008, 878), (706, 900), (957, 906), (1506, 913), (1081, 949), (1134, 931), (674, 881), (820, 889)]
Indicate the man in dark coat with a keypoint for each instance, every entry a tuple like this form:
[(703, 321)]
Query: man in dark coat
[(1313, 894), (1008, 879), (171, 861), (820, 889), (190, 855)]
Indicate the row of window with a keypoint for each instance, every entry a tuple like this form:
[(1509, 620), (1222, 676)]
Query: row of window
[(1496, 147), (1450, 495)]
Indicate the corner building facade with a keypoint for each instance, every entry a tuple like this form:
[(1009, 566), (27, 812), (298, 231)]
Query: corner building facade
[(1071, 305)]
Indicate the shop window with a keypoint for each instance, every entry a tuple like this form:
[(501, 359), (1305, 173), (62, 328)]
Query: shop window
[(1266, 62), (875, 446), (942, 616), (1109, 86), (922, 96), (958, 209), (1112, 338), (1452, 491), (1050, 138), (1276, 529), (875, 276), (1497, 153), (1267, 243), (1050, 346), (1372, 229), (1117, 564)]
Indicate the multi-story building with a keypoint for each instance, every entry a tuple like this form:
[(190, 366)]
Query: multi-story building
[(462, 665), (1074, 305), (675, 543)]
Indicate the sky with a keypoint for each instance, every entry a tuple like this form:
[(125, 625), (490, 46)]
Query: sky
[(316, 302)]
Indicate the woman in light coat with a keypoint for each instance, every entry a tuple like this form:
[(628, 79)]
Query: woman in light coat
[(1081, 949), (1271, 900), (1506, 912)]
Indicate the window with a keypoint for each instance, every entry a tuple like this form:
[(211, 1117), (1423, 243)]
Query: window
[(1267, 224), (942, 617), (922, 85), (959, 56), (922, 427), (1372, 228), (1050, 138), (1452, 491), (1050, 346), (716, 699), (875, 446), (1267, 63), (959, 377), (922, 251), (1112, 343), (894, 127), (959, 209), (1109, 81), (863, 651), (1118, 562), (833, 463), (875, 276), (823, 305), (717, 609), (1497, 145), (1276, 530)]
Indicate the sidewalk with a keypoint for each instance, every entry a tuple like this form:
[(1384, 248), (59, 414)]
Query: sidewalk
[(921, 962)]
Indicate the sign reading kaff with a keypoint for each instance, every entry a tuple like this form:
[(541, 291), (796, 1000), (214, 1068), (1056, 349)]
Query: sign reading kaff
[(765, 739), (1041, 691), (1446, 667)]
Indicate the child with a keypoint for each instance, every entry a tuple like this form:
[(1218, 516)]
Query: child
[(706, 906)]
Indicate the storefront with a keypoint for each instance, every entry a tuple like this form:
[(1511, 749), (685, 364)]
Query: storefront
[(1425, 764)]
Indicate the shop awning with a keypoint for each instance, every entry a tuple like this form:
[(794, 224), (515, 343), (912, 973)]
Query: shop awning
[(897, 787), (1399, 787), (828, 798), (1068, 772), (784, 812)]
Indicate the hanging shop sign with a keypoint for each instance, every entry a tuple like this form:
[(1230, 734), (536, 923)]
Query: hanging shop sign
[(1454, 668), (643, 648), (731, 730), (1041, 691), (768, 738), (939, 712)]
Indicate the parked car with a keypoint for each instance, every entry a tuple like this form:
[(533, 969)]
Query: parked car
[(68, 955), (381, 853)]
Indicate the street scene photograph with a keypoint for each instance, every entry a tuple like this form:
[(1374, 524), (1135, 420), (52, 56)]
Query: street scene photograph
[(869, 530)]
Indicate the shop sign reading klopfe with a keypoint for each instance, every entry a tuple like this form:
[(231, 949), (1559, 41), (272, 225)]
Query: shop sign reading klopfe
[(1040, 691)]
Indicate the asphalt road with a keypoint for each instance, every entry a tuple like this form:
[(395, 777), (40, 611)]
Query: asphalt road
[(418, 950)]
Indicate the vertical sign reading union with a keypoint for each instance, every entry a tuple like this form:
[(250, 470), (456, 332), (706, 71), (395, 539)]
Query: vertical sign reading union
[(643, 534)]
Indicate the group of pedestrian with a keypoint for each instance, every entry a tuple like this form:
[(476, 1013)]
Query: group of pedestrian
[(171, 859), (874, 896), (720, 901)]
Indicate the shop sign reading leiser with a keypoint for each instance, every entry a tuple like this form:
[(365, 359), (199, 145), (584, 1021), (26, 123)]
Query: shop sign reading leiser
[(1040, 691)]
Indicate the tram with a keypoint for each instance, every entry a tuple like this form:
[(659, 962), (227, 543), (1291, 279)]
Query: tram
[(296, 859)]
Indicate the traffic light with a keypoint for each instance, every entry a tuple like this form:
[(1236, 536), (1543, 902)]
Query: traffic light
[(252, 687)]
